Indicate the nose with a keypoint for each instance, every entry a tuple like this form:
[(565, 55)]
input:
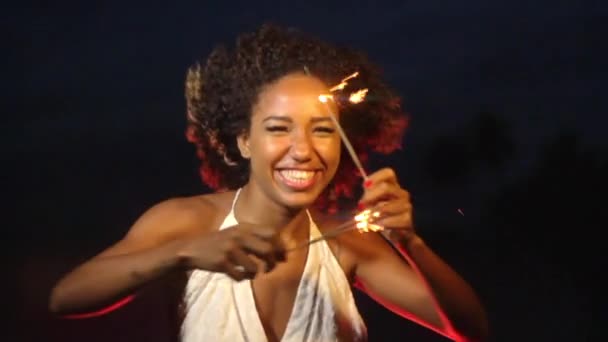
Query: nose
[(301, 147)]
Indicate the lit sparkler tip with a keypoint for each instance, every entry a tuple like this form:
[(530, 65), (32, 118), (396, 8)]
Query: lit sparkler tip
[(324, 98), (343, 83), (338, 87), (365, 221), (358, 96), (364, 215), (353, 75)]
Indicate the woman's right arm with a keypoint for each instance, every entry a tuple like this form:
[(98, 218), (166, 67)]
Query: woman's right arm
[(151, 249)]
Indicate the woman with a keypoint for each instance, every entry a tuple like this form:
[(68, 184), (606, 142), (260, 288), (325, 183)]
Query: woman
[(273, 153)]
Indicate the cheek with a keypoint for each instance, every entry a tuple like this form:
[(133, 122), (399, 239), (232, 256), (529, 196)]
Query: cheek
[(330, 151), (268, 150)]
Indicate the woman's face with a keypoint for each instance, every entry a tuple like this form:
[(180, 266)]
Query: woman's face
[(293, 144)]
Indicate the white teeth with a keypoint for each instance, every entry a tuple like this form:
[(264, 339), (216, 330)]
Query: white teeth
[(297, 175)]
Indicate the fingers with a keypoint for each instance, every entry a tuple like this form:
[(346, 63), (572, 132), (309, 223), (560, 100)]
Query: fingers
[(402, 220), (250, 249), (263, 250), (243, 262), (384, 195), (386, 208), (384, 191), (267, 234), (237, 272), (393, 213), (266, 247), (383, 175), (278, 250)]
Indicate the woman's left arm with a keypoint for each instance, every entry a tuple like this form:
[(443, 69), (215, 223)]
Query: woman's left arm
[(425, 289)]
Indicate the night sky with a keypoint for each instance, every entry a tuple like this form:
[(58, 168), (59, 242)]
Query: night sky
[(94, 118)]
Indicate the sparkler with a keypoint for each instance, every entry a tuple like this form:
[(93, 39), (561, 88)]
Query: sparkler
[(349, 147), (363, 222), (355, 97)]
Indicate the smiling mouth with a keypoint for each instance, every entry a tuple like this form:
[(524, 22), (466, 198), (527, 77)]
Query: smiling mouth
[(297, 179)]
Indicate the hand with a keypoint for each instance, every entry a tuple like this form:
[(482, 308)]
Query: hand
[(384, 195), (236, 251)]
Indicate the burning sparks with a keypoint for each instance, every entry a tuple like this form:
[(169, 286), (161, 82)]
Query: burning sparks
[(324, 98), (343, 83), (365, 218), (364, 221), (357, 96)]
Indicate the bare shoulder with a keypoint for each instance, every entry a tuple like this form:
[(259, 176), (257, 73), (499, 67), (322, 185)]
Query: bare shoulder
[(184, 215), (351, 247), (171, 219)]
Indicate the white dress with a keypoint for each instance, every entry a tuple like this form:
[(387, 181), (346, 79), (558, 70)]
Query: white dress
[(218, 308)]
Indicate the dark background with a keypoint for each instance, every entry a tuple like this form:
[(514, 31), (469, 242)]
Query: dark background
[(508, 124)]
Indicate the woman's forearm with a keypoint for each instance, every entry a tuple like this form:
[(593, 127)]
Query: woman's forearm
[(104, 280), (456, 300)]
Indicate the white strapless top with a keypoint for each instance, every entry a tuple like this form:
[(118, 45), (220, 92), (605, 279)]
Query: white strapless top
[(218, 308)]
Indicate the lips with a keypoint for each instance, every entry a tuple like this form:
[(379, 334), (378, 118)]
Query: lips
[(297, 179)]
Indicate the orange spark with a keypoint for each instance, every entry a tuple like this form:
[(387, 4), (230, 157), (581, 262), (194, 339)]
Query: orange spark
[(365, 221), (358, 96), (355, 97), (343, 83), (325, 97)]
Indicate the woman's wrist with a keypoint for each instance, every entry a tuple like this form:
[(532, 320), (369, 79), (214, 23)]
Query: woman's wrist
[(405, 239)]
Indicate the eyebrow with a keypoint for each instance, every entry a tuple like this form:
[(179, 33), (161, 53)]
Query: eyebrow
[(277, 117), (314, 119), (320, 119)]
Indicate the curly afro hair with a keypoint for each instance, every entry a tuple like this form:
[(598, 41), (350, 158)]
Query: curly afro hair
[(221, 92)]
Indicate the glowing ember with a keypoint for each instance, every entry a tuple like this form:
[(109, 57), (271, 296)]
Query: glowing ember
[(324, 98), (358, 96), (355, 97), (364, 221), (343, 83)]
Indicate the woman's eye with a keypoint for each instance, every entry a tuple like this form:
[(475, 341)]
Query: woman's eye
[(276, 128), (325, 129)]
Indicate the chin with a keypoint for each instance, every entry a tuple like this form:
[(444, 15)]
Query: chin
[(298, 201), (300, 193)]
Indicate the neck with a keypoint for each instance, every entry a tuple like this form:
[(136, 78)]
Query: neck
[(253, 206)]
